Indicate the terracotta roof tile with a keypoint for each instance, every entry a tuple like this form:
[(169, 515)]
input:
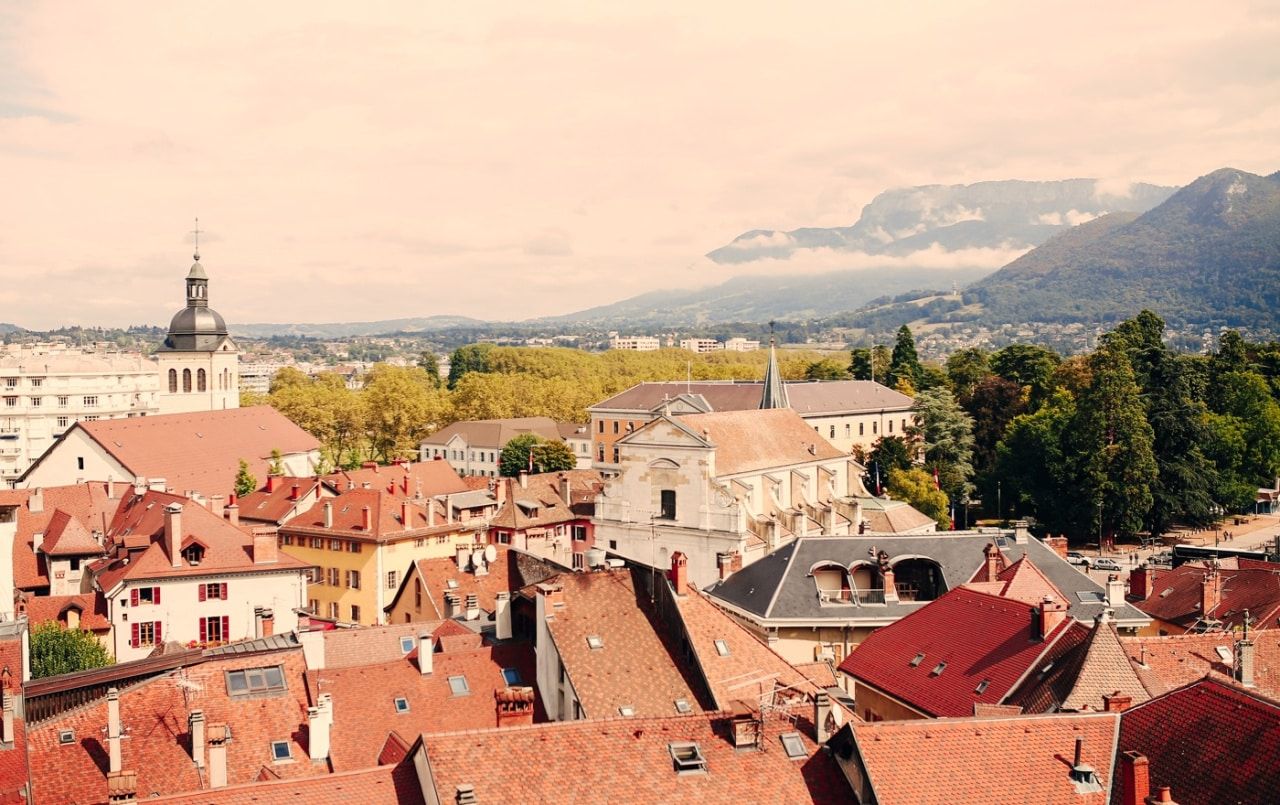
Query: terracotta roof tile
[(749, 441), (495, 433), (370, 645), (92, 606), (436, 574), (1078, 673), (1176, 595), (275, 499), (1208, 742), (805, 397), (1169, 662), (966, 638), (89, 504), (13, 761), (67, 536), (431, 477), (979, 761), (380, 785), (539, 504), (568, 762), (386, 512)]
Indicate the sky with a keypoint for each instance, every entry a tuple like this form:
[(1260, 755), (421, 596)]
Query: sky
[(365, 161)]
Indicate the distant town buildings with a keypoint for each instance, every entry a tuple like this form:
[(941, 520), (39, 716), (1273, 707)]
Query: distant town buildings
[(474, 447), (638, 343)]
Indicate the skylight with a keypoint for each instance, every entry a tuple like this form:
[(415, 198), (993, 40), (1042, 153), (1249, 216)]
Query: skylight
[(915, 661), (406, 644), (280, 750), (938, 669), (792, 745), (402, 704), (683, 707), (66, 736), (594, 641), (687, 758), (626, 710), (1224, 653), (1090, 597), (452, 584), (511, 676), (982, 686), (458, 685), (722, 648)]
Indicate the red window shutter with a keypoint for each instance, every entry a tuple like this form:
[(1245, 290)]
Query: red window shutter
[(155, 595), (133, 600), (226, 627), (159, 639), (204, 630), (202, 588), (223, 588), (134, 639)]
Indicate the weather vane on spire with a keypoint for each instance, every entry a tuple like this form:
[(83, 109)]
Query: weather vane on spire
[(196, 232)]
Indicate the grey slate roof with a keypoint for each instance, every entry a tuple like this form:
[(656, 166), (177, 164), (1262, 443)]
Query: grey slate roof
[(779, 587), (807, 398)]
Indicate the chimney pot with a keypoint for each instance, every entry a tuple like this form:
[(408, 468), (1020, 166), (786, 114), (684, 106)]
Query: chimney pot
[(328, 514), (233, 513), (680, 573), (113, 729), (425, 653), (173, 532)]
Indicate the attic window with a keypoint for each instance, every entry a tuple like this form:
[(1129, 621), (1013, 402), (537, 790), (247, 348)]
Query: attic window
[(406, 644), (595, 642), (915, 661), (458, 686), (687, 758), (793, 746), (66, 736), (982, 687), (1165, 592), (722, 648), (938, 669), (1224, 653), (452, 584), (626, 711), (402, 705), (511, 676), (683, 707), (1090, 597), (255, 680), (193, 554), (280, 751)]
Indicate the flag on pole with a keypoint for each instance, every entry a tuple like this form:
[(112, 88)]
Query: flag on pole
[(530, 459), (877, 469), (953, 516)]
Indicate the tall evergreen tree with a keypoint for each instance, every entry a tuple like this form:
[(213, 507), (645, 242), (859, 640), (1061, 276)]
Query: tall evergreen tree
[(904, 363), (946, 430), (1032, 465), (1183, 489)]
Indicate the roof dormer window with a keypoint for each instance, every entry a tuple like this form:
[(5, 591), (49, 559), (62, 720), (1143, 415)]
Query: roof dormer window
[(687, 758)]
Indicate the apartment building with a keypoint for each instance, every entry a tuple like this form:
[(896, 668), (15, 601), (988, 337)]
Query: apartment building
[(638, 343)]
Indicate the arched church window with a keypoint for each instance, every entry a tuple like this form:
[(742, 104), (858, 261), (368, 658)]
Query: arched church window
[(186, 380), (201, 380), (173, 381)]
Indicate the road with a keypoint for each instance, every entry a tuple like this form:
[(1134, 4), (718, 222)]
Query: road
[(1256, 532)]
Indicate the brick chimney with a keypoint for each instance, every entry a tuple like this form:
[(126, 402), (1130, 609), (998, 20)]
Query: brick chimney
[(273, 481), (502, 615), (1057, 544), (113, 729), (1210, 592), (232, 513), (514, 706), (195, 725), (366, 519), (821, 710), (1161, 797), (1115, 590), (1135, 778), (1142, 582), (217, 735), (1115, 703), (565, 493), (1047, 617), (406, 514), (1244, 665), (266, 549), (890, 585), (680, 573), (426, 656), (173, 532), (268, 622), (552, 595), (295, 492), (994, 562), (122, 787)]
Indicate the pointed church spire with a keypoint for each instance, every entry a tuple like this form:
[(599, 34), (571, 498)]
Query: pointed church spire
[(775, 391)]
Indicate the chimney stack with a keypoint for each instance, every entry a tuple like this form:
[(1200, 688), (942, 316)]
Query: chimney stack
[(273, 481), (8, 709), (232, 513), (821, 710), (524, 479), (1021, 532), (565, 493), (195, 724), (431, 513), (1115, 703), (1210, 592), (366, 519), (406, 514), (1244, 661), (1135, 778), (1115, 591), (448, 508), (473, 606), (318, 730), (268, 622), (1163, 797), (113, 729), (426, 650), (514, 706), (680, 573), (462, 555), (993, 563), (295, 492), (35, 501), (328, 514), (111, 488), (218, 505), (1142, 582), (173, 532), (217, 736), (122, 787), (1045, 619), (502, 615), (552, 596), (890, 585), (266, 549)]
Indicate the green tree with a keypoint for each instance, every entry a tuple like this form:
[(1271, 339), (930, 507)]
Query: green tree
[(1031, 466), (401, 406), (966, 368), (1111, 449), (870, 364), (904, 364), (245, 480), (946, 431), (993, 403), (276, 467), (1027, 365), (431, 365), (1185, 482), (547, 455), (889, 453), (471, 358), (1142, 340), (826, 369), (58, 650), (288, 376), (916, 487)]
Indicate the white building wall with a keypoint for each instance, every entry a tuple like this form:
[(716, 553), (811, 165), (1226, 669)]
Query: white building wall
[(222, 388), (75, 459)]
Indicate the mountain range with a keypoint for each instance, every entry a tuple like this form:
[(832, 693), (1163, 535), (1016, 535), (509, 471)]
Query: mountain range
[(355, 328)]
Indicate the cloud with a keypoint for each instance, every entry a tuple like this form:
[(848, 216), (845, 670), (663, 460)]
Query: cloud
[(820, 261), (1112, 188), (762, 240), (1072, 217)]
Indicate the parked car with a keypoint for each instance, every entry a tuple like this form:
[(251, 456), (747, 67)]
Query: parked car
[(1103, 563), (1077, 558), (1162, 558)]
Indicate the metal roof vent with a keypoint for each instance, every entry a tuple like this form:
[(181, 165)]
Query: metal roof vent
[(465, 794), (1083, 777)]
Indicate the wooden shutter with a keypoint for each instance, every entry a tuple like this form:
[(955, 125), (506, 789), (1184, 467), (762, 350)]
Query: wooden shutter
[(226, 628), (204, 630), (203, 594), (134, 641), (155, 595), (133, 601), (159, 638), (223, 588)]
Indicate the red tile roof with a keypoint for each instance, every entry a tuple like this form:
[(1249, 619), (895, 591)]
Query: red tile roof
[(364, 696), (386, 510), (495, 433), (67, 536), (92, 606), (431, 477), (542, 504), (200, 451), (157, 740), (621, 761), (749, 441), (1023, 581), (88, 504), (979, 637), (13, 761), (1079, 672), (1176, 595), (436, 574), (226, 546), (370, 645), (636, 666), (980, 761), (272, 506), (1169, 662), (1208, 742), (380, 785)]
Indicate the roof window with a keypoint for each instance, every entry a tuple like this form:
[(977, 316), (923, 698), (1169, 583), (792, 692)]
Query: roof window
[(66, 736), (687, 758), (626, 711), (595, 642), (280, 751), (458, 686), (915, 661), (722, 648), (938, 669), (406, 644), (792, 745), (452, 584), (982, 687), (255, 680), (511, 676), (1224, 653), (402, 705), (683, 707), (1090, 597)]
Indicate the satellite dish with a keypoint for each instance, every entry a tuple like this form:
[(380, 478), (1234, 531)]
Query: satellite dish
[(477, 558), (490, 553)]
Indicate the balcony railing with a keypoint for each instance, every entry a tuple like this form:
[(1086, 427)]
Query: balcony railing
[(850, 597)]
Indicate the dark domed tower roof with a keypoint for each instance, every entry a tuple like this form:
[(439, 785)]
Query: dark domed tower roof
[(197, 327)]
